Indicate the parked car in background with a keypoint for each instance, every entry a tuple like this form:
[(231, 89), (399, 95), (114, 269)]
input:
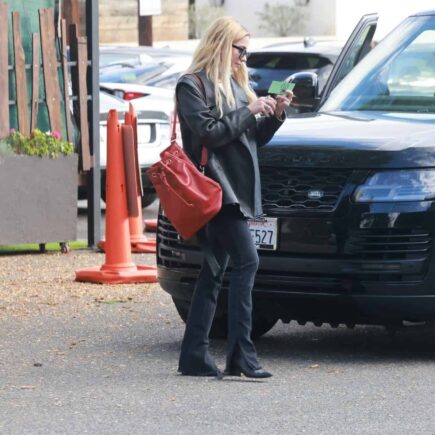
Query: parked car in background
[(168, 79), (128, 73), (153, 136), (108, 58), (279, 61), (159, 75), (138, 55), (131, 91), (348, 194)]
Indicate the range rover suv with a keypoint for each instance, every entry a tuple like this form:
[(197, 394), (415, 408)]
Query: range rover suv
[(348, 192)]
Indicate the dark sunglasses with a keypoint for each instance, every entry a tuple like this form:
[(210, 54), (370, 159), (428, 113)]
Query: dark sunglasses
[(242, 52)]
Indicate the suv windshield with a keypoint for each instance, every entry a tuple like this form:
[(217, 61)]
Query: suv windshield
[(398, 76)]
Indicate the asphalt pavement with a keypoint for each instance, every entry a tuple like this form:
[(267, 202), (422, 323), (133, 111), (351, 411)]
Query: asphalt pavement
[(103, 360), (112, 370)]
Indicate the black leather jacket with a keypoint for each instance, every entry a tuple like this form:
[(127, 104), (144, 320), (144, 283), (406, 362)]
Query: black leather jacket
[(231, 140)]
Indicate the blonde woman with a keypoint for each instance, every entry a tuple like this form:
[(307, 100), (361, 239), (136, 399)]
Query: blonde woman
[(218, 110)]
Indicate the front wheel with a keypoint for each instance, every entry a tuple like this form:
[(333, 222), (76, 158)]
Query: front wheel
[(219, 328)]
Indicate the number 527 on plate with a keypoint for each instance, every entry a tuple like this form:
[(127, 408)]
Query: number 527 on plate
[(264, 232)]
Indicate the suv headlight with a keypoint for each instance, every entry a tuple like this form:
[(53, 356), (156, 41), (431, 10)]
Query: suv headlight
[(398, 185)]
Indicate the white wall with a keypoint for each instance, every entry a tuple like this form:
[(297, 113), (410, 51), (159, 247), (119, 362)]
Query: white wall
[(321, 18), (245, 12), (321, 15), (330, 17), (391, 12)]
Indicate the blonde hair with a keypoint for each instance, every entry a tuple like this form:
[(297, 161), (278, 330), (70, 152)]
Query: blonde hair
[(213, 55)]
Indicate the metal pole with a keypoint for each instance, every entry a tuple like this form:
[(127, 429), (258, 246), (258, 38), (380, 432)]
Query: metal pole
[(94, 177)]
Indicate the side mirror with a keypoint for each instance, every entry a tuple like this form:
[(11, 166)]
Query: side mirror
[(305, 91)]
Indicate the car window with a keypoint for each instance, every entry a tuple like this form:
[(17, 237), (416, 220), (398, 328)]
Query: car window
[(412, 72), (287, 61), (354, 55), (399, 75)]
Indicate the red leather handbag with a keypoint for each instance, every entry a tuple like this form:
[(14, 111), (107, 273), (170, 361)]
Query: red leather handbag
[(188, 198)]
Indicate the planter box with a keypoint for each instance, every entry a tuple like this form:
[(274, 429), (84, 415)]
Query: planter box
[(38, 199)]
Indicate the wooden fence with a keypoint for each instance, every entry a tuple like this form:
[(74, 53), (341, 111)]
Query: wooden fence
[(56, 70)]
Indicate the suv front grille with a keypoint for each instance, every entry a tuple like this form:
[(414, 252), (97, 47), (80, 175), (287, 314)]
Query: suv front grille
[(383, 255), (389, 244), (309, 189), (167, 231), (170, 246)]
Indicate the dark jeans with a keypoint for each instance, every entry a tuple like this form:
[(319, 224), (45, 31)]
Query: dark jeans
[(228, 236)]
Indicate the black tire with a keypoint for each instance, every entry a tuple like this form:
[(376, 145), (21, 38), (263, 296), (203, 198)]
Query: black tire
[(148, 199), (149, 194), (262, 324), (219, 329), (103, 186)]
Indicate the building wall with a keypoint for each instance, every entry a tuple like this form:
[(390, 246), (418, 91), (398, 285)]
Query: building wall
[(328, 17), (118, 21), (391, 12), (172, 25), (321, 18), (245, 11), (320, 15)]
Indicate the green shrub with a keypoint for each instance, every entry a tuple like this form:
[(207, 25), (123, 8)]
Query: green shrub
[(39, 144)]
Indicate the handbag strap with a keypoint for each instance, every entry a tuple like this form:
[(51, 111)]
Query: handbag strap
[(204, 151)]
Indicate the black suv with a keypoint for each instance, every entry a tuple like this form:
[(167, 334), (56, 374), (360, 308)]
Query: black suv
[(348, 191)]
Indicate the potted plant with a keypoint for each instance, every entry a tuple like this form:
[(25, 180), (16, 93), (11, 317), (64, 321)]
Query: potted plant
[(38, 189)]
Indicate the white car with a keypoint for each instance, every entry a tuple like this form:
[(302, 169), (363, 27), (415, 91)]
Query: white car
[(111, 54), (155, 84), (131, 91), (168, 79)]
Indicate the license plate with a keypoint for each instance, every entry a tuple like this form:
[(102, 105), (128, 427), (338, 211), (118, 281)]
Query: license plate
[(264, 232)]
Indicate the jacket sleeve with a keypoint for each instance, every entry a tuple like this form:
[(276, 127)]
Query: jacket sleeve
[(266, 128), (213, 132)]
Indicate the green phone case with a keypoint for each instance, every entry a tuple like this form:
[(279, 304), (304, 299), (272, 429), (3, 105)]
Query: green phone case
[(277, 87)]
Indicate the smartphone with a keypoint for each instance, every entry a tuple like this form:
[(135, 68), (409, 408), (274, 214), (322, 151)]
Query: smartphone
[(279, 88)]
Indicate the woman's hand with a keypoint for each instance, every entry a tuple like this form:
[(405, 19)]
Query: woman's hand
[(264, 105), (282, 102)]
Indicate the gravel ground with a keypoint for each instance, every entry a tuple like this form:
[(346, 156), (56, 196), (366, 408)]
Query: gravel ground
[(83, 358), (35, 284)]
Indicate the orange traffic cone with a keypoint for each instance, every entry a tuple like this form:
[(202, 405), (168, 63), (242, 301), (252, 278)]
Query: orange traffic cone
[(118, 267), (150, 225), (139, 242)]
